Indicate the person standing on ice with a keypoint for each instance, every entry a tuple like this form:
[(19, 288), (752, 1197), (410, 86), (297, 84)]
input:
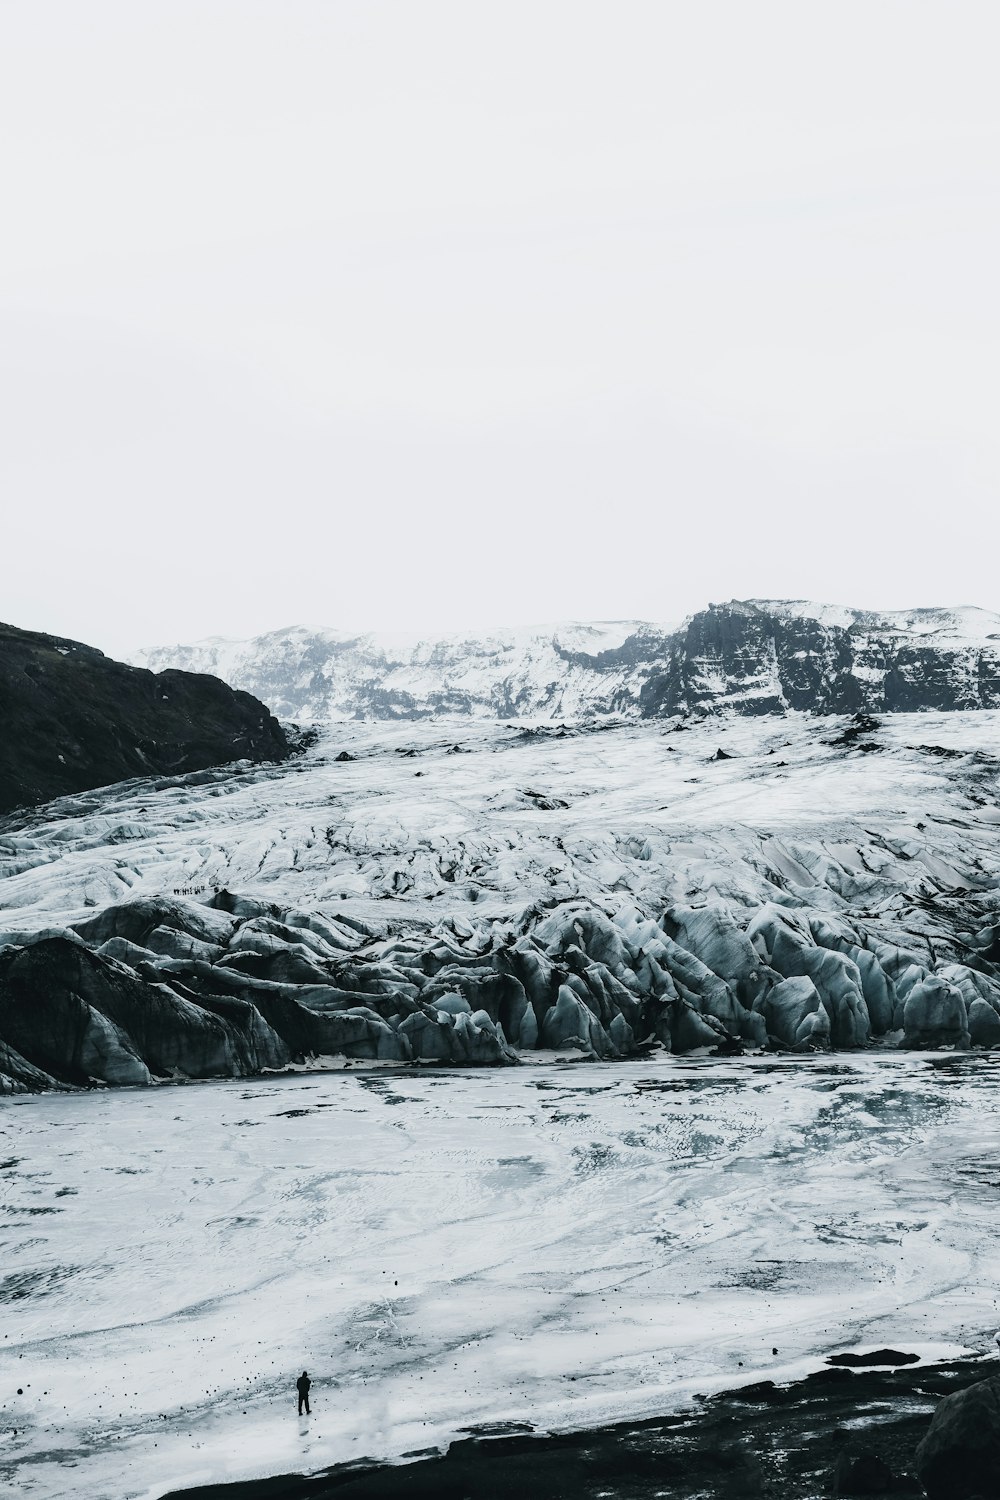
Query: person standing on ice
[(302, 1386)]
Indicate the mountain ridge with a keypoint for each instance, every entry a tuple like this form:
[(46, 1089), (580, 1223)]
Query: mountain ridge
[(744, 656)]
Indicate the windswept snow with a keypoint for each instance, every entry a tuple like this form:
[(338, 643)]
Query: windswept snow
[(966, 625), (310, 674)]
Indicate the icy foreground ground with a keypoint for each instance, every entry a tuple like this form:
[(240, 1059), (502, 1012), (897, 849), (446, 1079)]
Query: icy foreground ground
[(558, 1245)]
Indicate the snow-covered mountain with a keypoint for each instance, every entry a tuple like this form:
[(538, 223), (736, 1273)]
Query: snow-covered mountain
[(754, 656), (560, 671), (767, 656)]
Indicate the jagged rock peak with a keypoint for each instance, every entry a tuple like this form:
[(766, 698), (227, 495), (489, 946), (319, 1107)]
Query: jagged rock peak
[(762, 656)]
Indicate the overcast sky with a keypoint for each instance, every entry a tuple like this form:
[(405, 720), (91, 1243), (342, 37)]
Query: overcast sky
[(432, 315)]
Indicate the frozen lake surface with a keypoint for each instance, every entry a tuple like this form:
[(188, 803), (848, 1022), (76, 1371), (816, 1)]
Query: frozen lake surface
[(556, 1244)]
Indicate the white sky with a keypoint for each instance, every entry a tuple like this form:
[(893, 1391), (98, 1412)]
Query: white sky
[(432, 315)]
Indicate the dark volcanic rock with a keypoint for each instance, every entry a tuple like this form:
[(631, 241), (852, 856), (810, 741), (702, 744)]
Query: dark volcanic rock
[(960, 1456), (74, 719), (876, 1357)]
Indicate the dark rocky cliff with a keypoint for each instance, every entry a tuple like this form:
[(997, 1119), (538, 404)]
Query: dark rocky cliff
[(72, 719), (757, 658)]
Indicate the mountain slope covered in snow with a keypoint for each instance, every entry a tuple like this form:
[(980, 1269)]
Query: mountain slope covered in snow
[(560, 671), (748, 657)]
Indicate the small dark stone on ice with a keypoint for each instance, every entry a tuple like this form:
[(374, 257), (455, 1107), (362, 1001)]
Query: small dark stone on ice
[(860, 724), (862, 1473), (345, 755), (721, 754)]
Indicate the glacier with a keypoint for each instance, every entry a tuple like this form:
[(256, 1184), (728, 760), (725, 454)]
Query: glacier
[(396, 895), (545, 1241)]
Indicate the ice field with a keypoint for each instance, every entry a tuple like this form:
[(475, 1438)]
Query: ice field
[(430, 819), (559, 1245)]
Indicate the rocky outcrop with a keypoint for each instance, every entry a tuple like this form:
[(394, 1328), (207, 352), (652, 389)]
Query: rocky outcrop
[(960, 1456), (762, 657), (750, 657), (154, 988), (863, 1473), (73, 719)]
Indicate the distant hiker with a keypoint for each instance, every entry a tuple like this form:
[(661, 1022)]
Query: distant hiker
[(302, 1386)]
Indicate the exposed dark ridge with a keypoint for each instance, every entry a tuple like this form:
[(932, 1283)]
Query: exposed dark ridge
[(757, 658), (72, 719)]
